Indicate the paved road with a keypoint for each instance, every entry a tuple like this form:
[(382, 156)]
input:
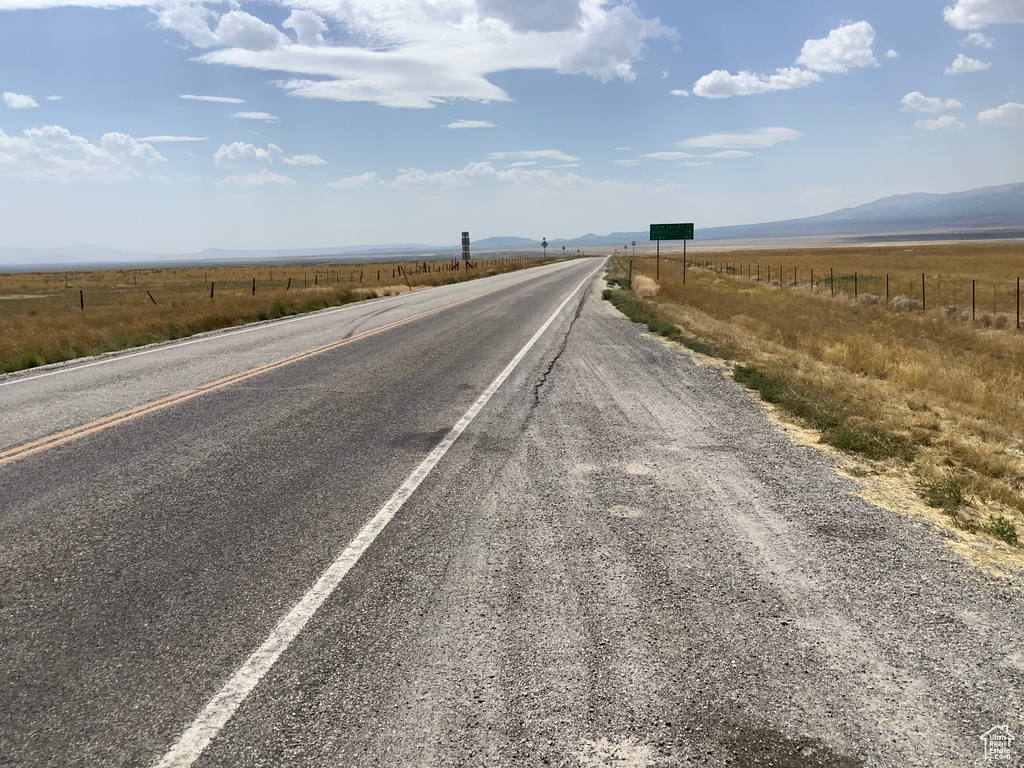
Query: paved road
[(620, 562)]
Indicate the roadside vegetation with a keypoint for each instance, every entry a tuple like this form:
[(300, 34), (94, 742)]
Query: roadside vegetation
[(932, 400), (42, 320)]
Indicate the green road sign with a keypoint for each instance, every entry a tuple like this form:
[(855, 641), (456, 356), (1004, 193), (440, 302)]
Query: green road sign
[(671, 232)]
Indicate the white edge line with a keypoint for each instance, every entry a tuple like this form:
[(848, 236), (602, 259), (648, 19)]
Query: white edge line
[(254, 327), (226, 702)]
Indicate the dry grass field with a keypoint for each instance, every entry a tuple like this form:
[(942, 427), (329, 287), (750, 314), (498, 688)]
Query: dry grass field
[(42, 319), (930, 399)]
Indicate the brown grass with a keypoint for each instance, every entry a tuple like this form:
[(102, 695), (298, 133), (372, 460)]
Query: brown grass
[(41, 320), (953, 388)]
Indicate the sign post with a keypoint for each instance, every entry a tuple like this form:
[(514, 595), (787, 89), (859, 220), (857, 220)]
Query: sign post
[(682, 232), (544, 244), (465, 247)]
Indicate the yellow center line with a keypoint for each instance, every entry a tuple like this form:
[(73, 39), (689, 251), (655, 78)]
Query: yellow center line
[(60, 438)]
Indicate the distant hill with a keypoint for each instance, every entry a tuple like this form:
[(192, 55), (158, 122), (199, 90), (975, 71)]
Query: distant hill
[(977, 213)]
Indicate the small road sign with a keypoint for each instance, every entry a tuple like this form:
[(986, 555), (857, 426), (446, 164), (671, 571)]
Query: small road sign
[(671, 232), (465, 246)]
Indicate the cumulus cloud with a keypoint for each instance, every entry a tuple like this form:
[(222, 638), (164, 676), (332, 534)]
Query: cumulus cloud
[(473, 175), (891, 54), (54, 154), (1010, 113), (979, 40), (240, 155), (845, 48), (471, 124), (259, 179), (722, 84), (762, 138), (944, 123), (264, 116), (917, 101), (680, 92), (975, 14), (309, 28), (215, 99), (54, 98), (19, 101), (964, 64)]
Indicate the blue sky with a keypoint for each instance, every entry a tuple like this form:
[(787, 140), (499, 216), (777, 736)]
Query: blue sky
[(175, 126)]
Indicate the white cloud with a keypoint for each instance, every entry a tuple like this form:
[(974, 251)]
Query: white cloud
[(722, 84), (303, 160), (891, 54), (759, 139), (921, 103), (471, 124), (979, 40), (667, 156), (964, 64), (54, 98), (730, 154), (264, 116), (846, 47), (172, 139), (260, 179), (19, 101), (239, 155), (975, 14), (535, 154), (238, 29), (416, 54), (215, 99), (309, 28), (54, 154), (944, 123), (680, 92), (371, 179), (631, 162), (1010, 113)]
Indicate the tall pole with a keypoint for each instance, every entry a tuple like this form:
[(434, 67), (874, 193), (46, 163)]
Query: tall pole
[(658, 263)]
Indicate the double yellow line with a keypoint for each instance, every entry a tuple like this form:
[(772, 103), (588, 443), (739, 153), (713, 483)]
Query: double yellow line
[(60, 438)]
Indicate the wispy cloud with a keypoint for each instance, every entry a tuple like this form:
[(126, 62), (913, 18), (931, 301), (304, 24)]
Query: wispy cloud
[(172, 139), (264, 116), (534, 154), (456, 124), (259, 179), (215, 99), (760, 139)]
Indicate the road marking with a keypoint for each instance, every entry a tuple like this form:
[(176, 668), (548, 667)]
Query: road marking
[(225, 703), (249, 329), (60, 438)]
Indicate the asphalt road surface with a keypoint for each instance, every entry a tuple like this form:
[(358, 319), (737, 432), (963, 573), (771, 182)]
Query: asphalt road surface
[(613, 560)]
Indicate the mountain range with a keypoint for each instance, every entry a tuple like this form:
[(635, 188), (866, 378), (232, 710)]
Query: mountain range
[(988, 212)]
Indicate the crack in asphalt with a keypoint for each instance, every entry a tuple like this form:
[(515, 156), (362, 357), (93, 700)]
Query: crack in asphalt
[(561, 349)]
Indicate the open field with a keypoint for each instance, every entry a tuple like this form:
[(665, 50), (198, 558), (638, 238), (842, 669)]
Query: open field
[(928, 400), (42, 319)]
